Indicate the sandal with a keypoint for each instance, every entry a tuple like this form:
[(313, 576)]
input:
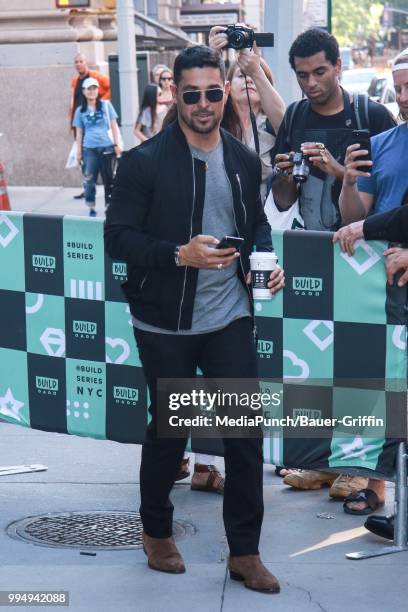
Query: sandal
[(367, 496), (184, 471), (282, 471), (214, 483)]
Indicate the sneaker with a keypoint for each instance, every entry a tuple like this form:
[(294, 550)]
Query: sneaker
[(345, 485), (92, 212), (309, 480)]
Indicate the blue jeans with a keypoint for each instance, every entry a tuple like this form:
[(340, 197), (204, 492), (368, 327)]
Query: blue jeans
[(97, 161)]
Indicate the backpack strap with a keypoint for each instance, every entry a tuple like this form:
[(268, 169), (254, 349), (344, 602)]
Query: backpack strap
[(360, 102), (290, 118), (269, 128)]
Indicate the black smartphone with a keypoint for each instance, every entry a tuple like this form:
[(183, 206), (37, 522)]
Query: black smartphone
[(230, 241), (362, 137)]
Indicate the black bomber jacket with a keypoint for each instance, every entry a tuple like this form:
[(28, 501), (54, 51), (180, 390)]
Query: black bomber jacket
[(157, 204)]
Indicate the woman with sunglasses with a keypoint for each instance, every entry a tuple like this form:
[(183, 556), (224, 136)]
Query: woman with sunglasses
[(165, 82), (152, 113), (252, 88), (94, 121)]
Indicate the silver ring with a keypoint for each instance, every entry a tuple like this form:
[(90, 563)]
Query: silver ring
[(219, 266)]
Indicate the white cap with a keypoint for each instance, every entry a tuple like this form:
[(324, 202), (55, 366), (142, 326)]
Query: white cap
[(89, 82), (402, 65)]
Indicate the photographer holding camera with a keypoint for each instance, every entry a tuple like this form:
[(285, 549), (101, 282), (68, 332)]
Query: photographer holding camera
[(319, 129), (252, 89)]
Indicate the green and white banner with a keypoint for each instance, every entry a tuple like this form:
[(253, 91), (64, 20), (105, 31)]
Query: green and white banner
[(334, 342)]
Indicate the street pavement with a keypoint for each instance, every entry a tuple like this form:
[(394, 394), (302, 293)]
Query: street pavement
[(306, 552)]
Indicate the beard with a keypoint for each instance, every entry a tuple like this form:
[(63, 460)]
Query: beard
[(193, 122)]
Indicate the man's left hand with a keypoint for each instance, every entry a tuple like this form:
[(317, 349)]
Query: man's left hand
[(397, 259), (276, 282), (321, 158)]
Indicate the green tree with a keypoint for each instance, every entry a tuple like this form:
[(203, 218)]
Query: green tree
[(351, 18)]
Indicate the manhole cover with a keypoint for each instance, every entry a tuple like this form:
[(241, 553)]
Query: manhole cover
[(89, 530)]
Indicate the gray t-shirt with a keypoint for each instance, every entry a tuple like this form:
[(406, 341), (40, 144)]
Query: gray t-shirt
[(220, 296)]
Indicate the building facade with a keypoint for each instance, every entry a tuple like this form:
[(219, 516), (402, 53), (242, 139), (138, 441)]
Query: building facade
[(37, 49)]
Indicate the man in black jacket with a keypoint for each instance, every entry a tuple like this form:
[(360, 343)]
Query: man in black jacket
[(174, 197)]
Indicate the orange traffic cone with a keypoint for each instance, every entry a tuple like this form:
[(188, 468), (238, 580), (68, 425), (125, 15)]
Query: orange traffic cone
[(4, 199)]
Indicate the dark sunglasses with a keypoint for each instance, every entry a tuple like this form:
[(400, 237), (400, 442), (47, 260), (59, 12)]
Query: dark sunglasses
[(212, 95), (166, 79)]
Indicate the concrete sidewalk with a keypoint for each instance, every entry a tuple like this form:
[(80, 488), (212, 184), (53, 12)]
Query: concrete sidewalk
[(306, 552), (53, 200)]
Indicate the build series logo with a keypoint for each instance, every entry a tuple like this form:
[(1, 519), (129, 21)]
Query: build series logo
[(119, 270), (85, 329), (126, 395), (265, 349), (46, 386), (307, 285), (43, 263)]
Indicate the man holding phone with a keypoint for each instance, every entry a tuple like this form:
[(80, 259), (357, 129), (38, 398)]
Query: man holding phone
[(378, 185), (174, 197)]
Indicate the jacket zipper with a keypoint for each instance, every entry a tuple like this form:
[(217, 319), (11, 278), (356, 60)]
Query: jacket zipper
[(143, 281), (191, 232), (240, 193), (254, 331)]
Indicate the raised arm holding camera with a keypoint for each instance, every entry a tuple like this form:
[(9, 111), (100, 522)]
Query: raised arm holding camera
[(254, 108)]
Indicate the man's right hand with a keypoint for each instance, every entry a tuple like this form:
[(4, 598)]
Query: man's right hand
[(198, 254), (284, 163), (352, 163)]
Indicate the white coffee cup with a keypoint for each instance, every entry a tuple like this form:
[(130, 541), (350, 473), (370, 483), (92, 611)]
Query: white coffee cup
[(262, 264)]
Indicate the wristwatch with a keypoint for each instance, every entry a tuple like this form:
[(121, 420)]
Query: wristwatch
[(177, 256)]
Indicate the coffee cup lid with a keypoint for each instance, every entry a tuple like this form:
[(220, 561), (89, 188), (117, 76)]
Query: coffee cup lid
[(263, 255)]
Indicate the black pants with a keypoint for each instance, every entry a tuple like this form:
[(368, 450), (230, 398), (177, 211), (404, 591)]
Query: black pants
[(227, 353)]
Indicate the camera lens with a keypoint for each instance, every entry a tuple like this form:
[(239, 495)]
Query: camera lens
[(237, 40)]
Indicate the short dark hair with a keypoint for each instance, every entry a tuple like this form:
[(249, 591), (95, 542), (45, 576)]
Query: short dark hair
[(313, 41), (198, 56)]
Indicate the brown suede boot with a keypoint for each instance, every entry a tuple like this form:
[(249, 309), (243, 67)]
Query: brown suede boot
[(250, 570), (162, 555)]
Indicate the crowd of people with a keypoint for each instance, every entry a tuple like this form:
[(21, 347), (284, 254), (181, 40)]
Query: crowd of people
[(231, 132)]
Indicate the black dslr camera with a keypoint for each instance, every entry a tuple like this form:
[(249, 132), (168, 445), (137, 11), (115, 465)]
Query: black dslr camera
[(240, 37), (301, 167)]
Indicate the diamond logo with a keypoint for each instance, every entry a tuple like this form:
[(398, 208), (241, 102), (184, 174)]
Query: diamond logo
[(321, 344), (5, 239), (53, 337), (361, 268)]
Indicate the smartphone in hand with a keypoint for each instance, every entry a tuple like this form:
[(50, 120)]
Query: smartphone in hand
[(229, 242), (362, 137)]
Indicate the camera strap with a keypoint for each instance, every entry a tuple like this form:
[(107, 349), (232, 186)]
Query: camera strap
[(253, 119)]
